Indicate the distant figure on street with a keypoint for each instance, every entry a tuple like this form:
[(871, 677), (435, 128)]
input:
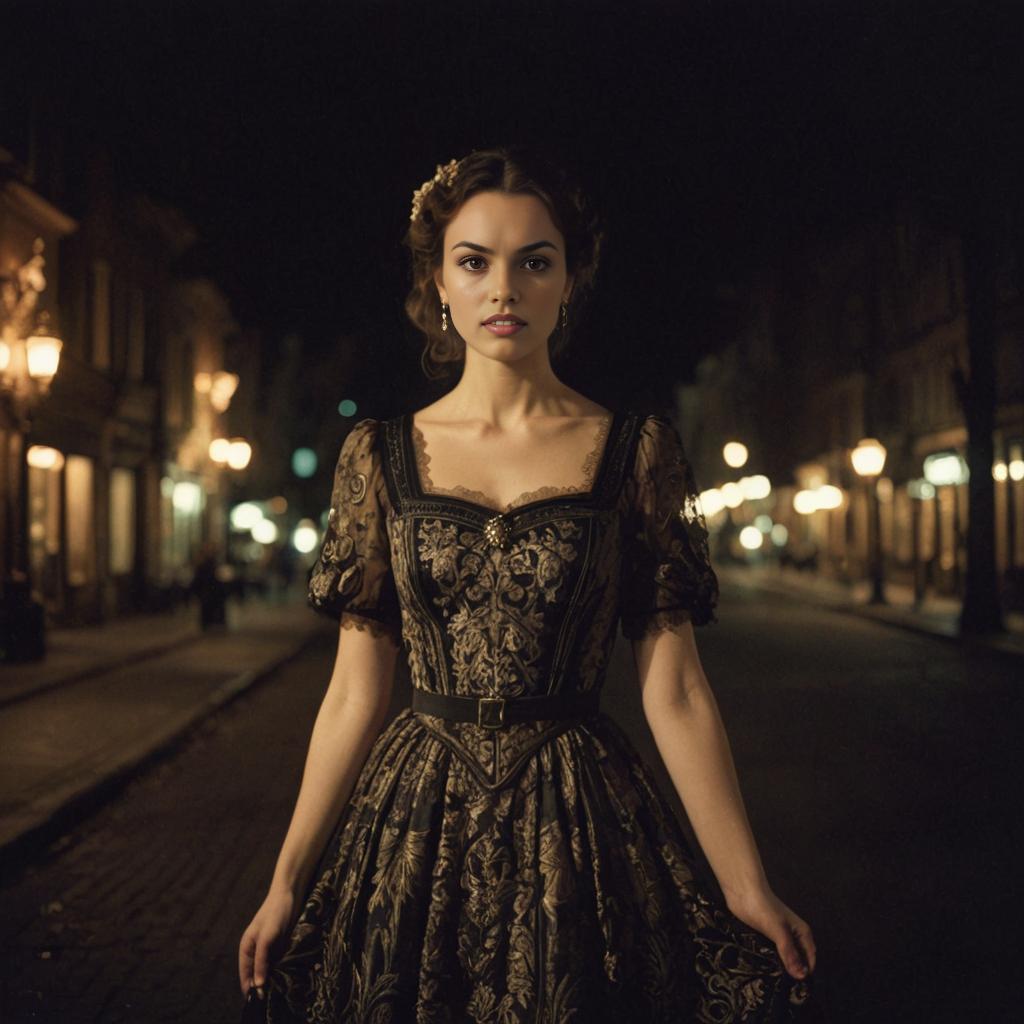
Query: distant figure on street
[(209, 587)]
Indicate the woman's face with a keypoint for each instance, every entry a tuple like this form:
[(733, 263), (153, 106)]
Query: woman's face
[(503, 255)]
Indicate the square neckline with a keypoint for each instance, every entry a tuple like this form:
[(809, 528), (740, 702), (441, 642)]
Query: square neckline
[(572, 497)]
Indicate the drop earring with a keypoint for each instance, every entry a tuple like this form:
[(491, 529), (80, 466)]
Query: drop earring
[(565, 310), (444, 316)]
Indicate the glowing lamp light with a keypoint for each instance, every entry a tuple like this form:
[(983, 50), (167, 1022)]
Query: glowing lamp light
[(735, 454), (187, 496), (763, 523), (711, 501), (202, 382), (868, 457), (277, 505), (732, 496), (754, 487), (829, 496), (239, 453), (304, 463), (222, 389), (779, 534), (1000, 471), (920, 489), (805, 502), (5, 355), (346, 407), (41, 456), (945, 468), (751, 538), (220, 448), (1016, 469), (246, 515), (265, 531), (43, 353), (305, 536)]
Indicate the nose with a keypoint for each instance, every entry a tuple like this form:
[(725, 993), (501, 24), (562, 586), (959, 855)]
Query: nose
[(503, 290)]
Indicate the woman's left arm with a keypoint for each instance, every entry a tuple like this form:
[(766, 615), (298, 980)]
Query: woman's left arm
[(684, 719)]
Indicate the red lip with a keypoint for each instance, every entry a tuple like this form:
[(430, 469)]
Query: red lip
[(504, 316)]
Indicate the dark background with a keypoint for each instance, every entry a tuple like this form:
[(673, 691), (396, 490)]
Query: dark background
[(718, 138), (715, 135)]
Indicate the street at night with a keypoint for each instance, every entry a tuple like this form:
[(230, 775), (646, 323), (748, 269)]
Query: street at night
[(515, 337), (878, 768)]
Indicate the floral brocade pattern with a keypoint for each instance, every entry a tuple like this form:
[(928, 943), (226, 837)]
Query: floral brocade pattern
[(532, 873)]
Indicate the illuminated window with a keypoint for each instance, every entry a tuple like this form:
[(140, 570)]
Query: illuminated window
[(81, 532), (122, 520)]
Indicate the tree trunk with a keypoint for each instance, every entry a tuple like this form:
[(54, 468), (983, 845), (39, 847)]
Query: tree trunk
[(981, 612)]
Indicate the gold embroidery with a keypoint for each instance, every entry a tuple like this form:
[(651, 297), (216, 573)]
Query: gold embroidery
[(535, 872)]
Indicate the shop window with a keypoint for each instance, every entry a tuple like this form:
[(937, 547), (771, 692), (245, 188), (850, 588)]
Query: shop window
[(122, 520), (81, 527)]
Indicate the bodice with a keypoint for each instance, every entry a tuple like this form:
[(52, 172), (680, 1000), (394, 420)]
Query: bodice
[(521, 602)]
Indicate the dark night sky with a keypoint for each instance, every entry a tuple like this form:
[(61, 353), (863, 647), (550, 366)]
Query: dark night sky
[(716, 133)]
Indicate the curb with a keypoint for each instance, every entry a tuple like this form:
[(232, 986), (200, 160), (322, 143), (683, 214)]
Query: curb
[(89, 793), (995, 643), (97, 669)]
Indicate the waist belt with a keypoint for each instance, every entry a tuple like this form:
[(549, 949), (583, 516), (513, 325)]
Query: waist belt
[(494, 712)]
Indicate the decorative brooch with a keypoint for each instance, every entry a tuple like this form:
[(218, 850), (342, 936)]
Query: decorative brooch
[(497, 532), (445, 175)]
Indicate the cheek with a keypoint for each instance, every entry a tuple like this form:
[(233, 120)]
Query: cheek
[(465, 284)]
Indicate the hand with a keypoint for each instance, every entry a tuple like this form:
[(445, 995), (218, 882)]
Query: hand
[(260, 941), (791, 934)]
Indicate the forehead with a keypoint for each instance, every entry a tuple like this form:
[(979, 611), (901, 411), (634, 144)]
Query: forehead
[(496, 216)]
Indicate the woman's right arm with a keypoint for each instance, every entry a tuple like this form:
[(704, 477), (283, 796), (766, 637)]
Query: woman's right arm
[(351, 716)]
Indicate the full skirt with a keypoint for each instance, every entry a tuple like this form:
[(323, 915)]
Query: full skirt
[(568, 894)]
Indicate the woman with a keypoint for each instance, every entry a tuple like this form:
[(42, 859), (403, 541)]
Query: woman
[(500, 852)]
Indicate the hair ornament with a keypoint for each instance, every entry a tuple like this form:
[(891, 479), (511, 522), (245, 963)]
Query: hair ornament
[(445, 175)]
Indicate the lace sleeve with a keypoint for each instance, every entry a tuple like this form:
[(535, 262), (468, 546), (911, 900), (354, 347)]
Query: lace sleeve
[(667, 573), (351, 579)]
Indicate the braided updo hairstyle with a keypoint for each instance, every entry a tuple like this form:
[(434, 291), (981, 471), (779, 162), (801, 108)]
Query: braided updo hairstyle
[(511, 169)]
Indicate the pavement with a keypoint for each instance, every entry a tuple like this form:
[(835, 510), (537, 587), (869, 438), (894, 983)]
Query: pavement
[(108, 700), (934, 616)]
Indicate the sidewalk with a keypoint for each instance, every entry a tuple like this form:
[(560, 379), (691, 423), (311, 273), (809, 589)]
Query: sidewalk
[(108, 699), (935, 616)]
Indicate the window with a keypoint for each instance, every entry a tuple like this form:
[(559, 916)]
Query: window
[(122, 520), (81, 532)]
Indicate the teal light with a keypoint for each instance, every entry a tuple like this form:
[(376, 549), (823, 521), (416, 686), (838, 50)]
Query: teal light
[(346, 407), (304, 462)]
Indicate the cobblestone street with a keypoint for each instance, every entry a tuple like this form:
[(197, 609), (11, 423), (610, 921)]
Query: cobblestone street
[(137, 917), (879, 769)]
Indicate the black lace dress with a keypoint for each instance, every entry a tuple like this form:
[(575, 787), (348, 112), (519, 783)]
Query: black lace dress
[(532, 872)]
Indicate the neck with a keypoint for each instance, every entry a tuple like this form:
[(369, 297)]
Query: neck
[(501, 393)]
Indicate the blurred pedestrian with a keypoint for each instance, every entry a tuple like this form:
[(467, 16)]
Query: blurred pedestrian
[(209, 587)]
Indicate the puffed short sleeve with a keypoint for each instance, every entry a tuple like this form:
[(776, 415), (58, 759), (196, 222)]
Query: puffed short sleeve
[(352, 575), (667, 575)]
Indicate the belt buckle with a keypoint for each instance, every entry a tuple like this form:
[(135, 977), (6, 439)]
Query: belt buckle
[(490, 702)]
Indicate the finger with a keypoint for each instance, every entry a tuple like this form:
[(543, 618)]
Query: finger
[(245, 958), (807, 941), (790, 954), (260, 969)]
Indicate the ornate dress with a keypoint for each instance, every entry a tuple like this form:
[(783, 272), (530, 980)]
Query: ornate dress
[(531, 872)]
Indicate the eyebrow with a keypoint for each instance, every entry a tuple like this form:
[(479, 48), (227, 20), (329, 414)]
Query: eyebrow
[(525, 248)]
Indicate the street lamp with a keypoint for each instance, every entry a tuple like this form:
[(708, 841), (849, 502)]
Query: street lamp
[(868, 458), (29, 358)]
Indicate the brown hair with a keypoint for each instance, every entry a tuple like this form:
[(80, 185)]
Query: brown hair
[(510, 169)]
